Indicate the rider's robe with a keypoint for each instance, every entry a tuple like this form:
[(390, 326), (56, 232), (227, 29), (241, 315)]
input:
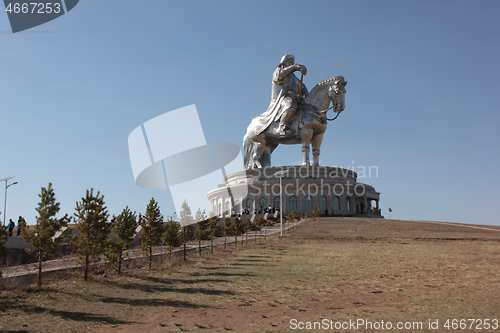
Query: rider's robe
[(285, 91)]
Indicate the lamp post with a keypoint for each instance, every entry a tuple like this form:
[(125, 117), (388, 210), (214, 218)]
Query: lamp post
[(5, 202), (281, 174)]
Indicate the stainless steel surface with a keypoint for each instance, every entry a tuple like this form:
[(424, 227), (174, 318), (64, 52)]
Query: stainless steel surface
[(287, 122)]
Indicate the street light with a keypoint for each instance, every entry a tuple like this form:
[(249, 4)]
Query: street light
[(5, 202), (281, 174)]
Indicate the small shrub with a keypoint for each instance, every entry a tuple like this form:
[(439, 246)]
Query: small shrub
[(33, 289)]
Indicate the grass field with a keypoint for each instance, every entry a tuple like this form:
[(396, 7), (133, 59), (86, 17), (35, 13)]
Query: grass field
[(332, 269)]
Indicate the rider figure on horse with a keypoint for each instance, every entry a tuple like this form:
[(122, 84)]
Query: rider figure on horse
[(285, 91)]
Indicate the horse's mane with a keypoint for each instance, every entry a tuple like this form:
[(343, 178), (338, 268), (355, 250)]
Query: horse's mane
[(313, 94), (334, 79)]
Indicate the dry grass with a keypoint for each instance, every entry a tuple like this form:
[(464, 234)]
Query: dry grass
[(338, 268)]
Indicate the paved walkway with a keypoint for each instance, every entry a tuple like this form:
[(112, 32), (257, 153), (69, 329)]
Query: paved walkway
[(24, 274)]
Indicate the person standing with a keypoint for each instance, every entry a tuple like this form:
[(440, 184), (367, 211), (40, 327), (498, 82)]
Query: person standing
[(21, 224), (11, 226)]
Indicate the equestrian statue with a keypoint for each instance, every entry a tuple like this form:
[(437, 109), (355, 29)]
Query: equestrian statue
[(294, 115)]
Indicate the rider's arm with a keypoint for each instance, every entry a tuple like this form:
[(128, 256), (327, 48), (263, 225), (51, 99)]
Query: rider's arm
[(305, 92), (281, 73)]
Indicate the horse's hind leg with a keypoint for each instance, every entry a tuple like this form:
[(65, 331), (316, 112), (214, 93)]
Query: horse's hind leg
[(316, 144), (263, 151), (265, 157)]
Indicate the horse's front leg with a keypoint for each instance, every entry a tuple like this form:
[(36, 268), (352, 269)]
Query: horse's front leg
[(306, 137), (316, 144)]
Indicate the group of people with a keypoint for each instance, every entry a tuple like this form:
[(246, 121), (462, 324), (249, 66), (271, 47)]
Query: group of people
[(261, 210), (21, 223), (265, 210)]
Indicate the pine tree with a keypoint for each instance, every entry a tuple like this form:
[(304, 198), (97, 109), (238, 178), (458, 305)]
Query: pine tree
[(172, 236), (212, 229), (293, 216), (185, 219), (91, 219), (202, 227), (187, 234), (201, 232), (200, 216), (259, 224), (41, 236), (124, 226), (243, 228), (316, 211), (234, 230), (226, 228), (152, 229), (185, 216), (3, 239)]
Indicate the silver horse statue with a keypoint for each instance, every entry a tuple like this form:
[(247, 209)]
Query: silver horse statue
[(308, 126)]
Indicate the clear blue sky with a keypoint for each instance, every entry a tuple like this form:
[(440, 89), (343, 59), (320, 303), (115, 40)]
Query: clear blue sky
[(422, 100)]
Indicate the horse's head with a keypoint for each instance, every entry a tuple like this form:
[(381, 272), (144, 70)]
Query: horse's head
[(336, 93)]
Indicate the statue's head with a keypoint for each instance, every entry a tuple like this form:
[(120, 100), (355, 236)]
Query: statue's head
[(287, 60)]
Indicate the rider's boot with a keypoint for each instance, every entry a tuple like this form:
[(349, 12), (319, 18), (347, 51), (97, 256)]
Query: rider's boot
[(286, 119), (281, 129), (284, 129)]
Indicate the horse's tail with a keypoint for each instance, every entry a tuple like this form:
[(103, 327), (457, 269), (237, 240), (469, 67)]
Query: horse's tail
[(247, 152)]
